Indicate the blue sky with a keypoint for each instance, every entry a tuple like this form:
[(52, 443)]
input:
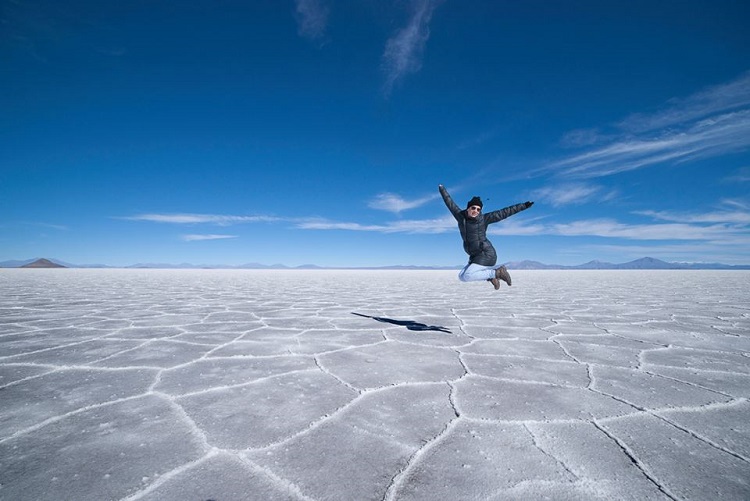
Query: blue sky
[(317, 131)]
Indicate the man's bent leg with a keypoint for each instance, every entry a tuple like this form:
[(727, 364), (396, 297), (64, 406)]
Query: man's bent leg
[(475, 273)]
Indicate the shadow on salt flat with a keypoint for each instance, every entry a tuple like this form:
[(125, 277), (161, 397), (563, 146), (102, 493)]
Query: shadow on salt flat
[(409, 324)]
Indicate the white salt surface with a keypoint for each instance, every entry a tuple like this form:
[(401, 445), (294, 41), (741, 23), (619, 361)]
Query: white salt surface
[(364, 385)]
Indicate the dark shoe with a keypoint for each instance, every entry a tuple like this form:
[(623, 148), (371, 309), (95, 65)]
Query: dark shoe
[(502, 274), (495, 283)]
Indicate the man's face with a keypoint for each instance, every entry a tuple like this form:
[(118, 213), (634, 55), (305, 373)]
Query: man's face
[(474, 211)]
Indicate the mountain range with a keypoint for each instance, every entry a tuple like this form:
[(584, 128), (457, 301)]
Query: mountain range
[(645, 263)]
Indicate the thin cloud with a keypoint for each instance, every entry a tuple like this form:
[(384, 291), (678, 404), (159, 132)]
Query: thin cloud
[(403, 51), (478, 140), (517, 228), (721, 217), (221, 220), (710, 138), (727, 228), (742, 175), (572, 194), (11, 224), (736, 204), (728, 253), (58, 227), (394, 203), (718, 228), (312, 18), (405, 226), (445, 224), (719, 99), (710, 123), (198, 238), (430, 226), (583, 137), (613, 229)]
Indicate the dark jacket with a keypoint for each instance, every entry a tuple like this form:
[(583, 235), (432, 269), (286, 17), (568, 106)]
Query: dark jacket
[(474, 230)]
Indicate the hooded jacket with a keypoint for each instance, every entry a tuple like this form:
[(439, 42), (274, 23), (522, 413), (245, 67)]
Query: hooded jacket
[(474, 230)]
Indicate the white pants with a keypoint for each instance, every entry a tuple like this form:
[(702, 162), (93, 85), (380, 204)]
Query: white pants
[(474, 272)]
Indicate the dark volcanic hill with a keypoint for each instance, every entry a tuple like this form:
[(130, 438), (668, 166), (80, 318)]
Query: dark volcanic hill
[(42, 263)]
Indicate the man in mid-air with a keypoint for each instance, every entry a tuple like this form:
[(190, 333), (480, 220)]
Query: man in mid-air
[(472, 224)]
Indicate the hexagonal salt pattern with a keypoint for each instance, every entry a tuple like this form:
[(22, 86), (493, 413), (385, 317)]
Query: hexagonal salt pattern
[(373, 385)]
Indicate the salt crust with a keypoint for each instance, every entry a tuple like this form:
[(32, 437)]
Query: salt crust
[(173, 385)]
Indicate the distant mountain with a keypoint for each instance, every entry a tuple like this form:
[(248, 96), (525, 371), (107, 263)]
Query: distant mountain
[(595, 265), (648, 263), (258, 266), (42, 263), (645, 263), (532, 265), (162, 266), (23, 263), (190, 266)]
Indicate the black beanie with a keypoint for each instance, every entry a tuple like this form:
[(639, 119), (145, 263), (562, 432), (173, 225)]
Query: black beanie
[(475, 201)]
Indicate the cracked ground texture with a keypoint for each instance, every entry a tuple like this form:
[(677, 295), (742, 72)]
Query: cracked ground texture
[(373, 385)]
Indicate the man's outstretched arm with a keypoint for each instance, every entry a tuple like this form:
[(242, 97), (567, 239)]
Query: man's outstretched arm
[(455, 210), (499, 215)]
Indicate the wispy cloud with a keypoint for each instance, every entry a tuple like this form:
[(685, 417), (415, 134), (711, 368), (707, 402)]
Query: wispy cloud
[(477, 140), (518, 228), (721, 135), (572, 194), (394, 203), (736, 204), (732, 217), (217, 219), (439, 225), (742, 175), (716, 234), (613, 229), (710, 123), (312, 18), (9, 224), (59, 227), (403, 51), (729, 225), (198, 238), (712, 101), (583, 137), (677, 251)]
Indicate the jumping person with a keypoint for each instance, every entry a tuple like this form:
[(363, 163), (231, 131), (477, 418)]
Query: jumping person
[(472, 224)]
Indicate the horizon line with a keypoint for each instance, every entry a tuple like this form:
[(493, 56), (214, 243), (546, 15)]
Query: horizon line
[(639, 263)]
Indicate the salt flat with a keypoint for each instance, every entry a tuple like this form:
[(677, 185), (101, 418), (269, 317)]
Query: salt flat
[(373, 385)]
